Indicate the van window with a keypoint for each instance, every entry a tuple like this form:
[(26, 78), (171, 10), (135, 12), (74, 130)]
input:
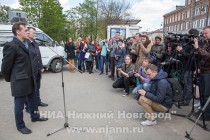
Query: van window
[(42, 36), (4, 39)]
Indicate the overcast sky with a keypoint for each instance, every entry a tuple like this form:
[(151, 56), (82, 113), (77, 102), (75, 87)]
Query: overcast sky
[(149, 11)]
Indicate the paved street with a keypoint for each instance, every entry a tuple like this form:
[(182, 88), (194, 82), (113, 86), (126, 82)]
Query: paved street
[(92, 104)]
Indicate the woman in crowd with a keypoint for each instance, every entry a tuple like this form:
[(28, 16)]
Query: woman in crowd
[(82, 48), (98, 55), (89, 61), (70, 50), (143, 48), (78, 43), (127, 79)]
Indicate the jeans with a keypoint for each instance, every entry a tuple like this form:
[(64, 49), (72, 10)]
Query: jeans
[(205, 91), (37, 92), (19, 106), (150, 106), (123, 82), (144, 86), (188, 86), (82, 62), (98, 61), (112, 66), (76, 61), (104, 61)]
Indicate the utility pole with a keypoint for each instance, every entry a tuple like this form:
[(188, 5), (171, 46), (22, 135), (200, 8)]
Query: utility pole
[(193, 16), (96, 19), (207, 13)]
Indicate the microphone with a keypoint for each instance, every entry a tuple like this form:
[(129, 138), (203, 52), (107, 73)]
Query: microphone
[(40, 40)]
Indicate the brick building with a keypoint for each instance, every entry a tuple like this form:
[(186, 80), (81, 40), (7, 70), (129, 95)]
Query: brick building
[(195, 14)]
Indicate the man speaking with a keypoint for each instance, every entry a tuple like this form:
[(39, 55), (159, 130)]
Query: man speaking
[(17, 69)]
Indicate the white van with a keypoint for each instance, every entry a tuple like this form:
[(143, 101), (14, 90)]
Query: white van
[(50, 59)]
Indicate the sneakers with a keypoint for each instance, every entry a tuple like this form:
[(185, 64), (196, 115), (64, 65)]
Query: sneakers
[(125, 94), (197, 104), (149, 123)]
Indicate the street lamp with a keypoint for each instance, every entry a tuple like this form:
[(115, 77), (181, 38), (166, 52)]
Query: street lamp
[(65, 28)]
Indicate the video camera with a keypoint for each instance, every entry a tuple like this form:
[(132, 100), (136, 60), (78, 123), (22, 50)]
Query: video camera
[(183, 39)]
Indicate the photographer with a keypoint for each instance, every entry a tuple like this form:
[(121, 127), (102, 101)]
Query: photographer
[(157, 51), (119, 53), (127, 78), (205, 69), (159, 96), (187, 59)]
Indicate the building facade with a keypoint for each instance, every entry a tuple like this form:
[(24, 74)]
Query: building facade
[(195, 14)]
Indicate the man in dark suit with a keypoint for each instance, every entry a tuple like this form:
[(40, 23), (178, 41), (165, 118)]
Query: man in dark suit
[(36, 62), (17, 69)]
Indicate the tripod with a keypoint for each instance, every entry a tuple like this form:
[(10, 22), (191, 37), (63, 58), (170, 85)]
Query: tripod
[(201, 114), (66, 124), (192, 57)]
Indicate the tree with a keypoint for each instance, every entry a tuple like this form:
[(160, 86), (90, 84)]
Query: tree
[(52, 20), (83, 19), (3, 13), (32, 9), (112, 11)]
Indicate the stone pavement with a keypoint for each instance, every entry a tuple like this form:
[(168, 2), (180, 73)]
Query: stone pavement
[(94, 106)]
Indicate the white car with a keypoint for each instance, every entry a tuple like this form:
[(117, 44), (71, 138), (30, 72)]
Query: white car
[(51, 52)]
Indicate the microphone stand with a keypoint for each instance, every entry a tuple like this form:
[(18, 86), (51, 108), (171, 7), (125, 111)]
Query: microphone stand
[(66, 124)]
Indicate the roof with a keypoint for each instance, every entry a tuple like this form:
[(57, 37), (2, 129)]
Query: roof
[(179, 8), (124, 22), (8, 28)]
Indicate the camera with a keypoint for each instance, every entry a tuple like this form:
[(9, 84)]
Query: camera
[(183, 39)]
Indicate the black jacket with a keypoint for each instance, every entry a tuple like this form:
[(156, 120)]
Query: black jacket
[(36, 59), (70, 50), (17, 69), (160, 90)]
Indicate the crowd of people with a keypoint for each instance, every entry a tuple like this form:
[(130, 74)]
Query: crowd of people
[(139, 64), (134, 63)]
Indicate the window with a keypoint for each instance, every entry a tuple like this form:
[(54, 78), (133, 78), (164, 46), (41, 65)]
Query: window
[(197, 23), (177, 27), (197, 11), (188, 13), (181, 28), (189, 1), (42, 36), (187, 25), (179, 17), (202, 23), (183, 15)]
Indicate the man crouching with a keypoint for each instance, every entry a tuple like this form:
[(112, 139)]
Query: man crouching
[(159, 98)]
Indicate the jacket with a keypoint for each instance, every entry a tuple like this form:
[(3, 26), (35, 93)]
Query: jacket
[(205, 58), (70, 50), (141, 52), (36, 59), (160, 90), (17, 68), (119, 53), (158, 51)]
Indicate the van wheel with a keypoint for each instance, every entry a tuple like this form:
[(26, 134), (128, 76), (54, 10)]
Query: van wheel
[(56, 66)]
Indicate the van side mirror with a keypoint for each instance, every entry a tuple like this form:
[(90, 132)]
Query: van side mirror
[(54, 43)]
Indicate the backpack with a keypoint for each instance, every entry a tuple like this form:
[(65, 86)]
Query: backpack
[(177, 89)]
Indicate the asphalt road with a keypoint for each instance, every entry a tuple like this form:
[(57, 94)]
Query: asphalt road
[(93, 106)]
